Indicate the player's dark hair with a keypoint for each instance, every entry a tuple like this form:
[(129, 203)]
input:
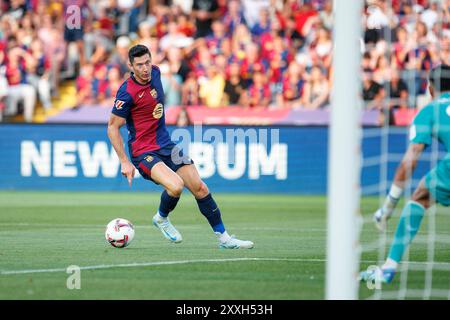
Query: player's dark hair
[(138, 51), (440, 78)]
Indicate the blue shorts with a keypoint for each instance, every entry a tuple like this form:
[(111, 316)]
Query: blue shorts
[(73, 35), (437, 182), (171, 155)]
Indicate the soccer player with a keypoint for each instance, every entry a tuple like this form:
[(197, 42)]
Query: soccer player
[(432, 121), (140, 104)]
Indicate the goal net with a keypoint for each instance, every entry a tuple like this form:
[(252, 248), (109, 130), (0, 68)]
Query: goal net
[(400, 42)]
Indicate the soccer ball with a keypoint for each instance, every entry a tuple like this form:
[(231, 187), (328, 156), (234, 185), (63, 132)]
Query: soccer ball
[(119, 232)]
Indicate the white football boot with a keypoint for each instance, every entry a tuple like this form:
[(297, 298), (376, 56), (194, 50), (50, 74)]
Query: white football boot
[(233, 243), (167, 229)]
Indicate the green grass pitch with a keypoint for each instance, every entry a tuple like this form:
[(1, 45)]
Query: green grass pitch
[(42, 233)]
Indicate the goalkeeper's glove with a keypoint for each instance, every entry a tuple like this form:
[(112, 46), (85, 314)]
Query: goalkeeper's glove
[(384, 213)]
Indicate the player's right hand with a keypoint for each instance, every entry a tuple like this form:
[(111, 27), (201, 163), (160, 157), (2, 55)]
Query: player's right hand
[(127, 170), (380, 217)]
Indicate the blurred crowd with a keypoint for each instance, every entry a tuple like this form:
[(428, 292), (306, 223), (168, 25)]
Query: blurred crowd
[(246, 53)]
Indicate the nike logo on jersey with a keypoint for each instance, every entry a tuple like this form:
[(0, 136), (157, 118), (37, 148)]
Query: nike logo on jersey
[(141, 95)]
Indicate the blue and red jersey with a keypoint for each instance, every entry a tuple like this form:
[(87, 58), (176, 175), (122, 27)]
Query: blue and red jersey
[(142, 105)]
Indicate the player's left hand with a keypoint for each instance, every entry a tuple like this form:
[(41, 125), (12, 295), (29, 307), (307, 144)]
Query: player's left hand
[(128, 171)]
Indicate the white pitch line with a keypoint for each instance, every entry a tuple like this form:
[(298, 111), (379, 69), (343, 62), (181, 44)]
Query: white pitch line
[(161, 263), (155, 263)]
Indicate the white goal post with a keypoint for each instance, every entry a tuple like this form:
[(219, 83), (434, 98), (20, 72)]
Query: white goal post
[(344, 153)]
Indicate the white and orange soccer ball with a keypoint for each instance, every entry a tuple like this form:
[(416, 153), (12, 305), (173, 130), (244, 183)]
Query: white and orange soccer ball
[(119, 232)]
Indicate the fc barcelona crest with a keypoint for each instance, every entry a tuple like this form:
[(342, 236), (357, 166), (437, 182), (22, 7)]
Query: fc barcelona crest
[(158, 111)]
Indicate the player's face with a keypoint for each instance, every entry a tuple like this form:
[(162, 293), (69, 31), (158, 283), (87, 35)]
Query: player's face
[(142, 67)]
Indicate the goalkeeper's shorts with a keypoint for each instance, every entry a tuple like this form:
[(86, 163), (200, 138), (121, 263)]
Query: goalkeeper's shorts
[(437, 182)]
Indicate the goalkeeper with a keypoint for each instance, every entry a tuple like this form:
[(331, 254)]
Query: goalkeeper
[(432, 121)]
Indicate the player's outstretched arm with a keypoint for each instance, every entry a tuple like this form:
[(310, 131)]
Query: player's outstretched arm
[(408, 164), (114, 124), (402, 175)]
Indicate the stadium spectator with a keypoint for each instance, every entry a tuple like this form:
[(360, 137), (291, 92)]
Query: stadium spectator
[(373, 92), (174, 38), (204, 11), (233, 17), (85, 92), (240, 40), (120, 56), (18, 89), (326, 15), (114, 82), (382, 72), (293, 86), (258, 94), (214, 41), (263, 23), (178, 65), (77, 16), (398, 91), (252, 9), (189, 36), (252, 62), (235, 86), (171, 82), (212, 87), (38, 73), (189, 91), (316, 91)]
